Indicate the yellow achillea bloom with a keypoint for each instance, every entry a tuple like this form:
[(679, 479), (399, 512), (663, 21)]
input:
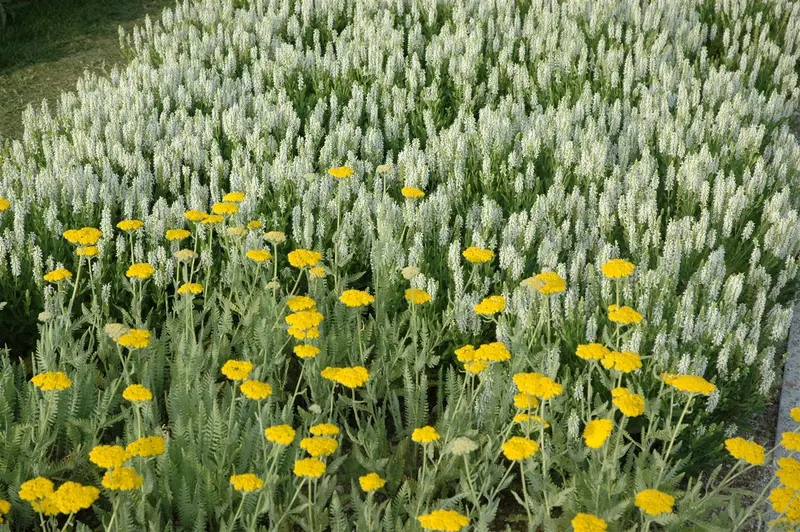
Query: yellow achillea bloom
[(47, 505), (303, 334), (256, 390), (593, 351), (130, 225), (140, 270), (412, 192), (275, 237), (324, 429), (147, 446), (298, 303), (417, 296), (306, 351), (493, 352), (625, 361), (224, 208), (303, 258), (87, 251), (546, 283), (35, 489), (304, 319), (443, 520), (537, 385), (237, 231), (184, 255), (87, 236), (356, 298), (589, 523), (108, 456), (177, 234), (135, 339), (309, 467), (349, 377), (424, 434), (476, 367), (490, 305), (317, 272), (742, 449), (190, 288), (654, 502), (259, 255), (319, 445), (465, 353), (51, 380), (371, 482), (790, 441), (623, 315), (341, 172), (524, 401), (234, 197), (122, 479), (137, 392), (786, 501), (237, 370), (522, 418), (246, 482), (630, 404), (280, 434), (789, 472), (58, 275), (4, 204), (212, 219), (71, 497), (690, 384), (477, 255), (195, 216), (795, 414), (596, 432), (617, 268), (5, 506)]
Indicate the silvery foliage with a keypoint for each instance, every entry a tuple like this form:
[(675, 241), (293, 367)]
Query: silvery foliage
[(557, 134)]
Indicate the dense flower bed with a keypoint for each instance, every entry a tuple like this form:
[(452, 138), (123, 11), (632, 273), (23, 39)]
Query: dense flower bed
[(390, 265)]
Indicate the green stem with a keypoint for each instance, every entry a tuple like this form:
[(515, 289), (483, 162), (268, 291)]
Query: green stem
[(289, 506), (236, 515), (672, 440), (525, 494)]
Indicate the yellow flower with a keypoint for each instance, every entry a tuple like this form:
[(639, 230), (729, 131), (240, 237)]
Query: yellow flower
[(623, 315), (184, 255), (538, 385), (791, 441), (177, 234), (190, 288), (51, 380), (690, 384), (654, 502), (304, 319), (412, 192), (371, 482), (522, 418), (524, 401), (546, 283), (4, 204), (280, 434), (424, 434), (130, 225), (71, 497), (466, 353), (478, 255), (212, 219), (519, 448), (795, 414), (302, 258), (108, 456), (789, 472), (317, 272), (237, 370), (303, 334), (476, 367), (624, 362), (384, 168), (5, 506), (309, 467), (443, 520), (596, 432), (195, 216), (298, 303), (592, 351), (319, 445), (356, 298), (742, 449), (58, 275), (255, 224), (36, 488), (275, 237), (87, 236), (341, 172), (87, 251), (122, 479), (135, 338), (306, 351), (324, 429), (256, 390), (588, 523), (417, 296), (259, 255), (47, 505), (147, 446), (349, 377), (246, 482), (141, 270), (493, 352), (409, 272), (224, 208), (490, 305), (237, 231), (617, 268), (137, 392), (786, 501), (630, 404), (234, 197)]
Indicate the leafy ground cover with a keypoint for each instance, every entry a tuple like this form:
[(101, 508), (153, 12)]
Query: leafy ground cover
[(394, 266)]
